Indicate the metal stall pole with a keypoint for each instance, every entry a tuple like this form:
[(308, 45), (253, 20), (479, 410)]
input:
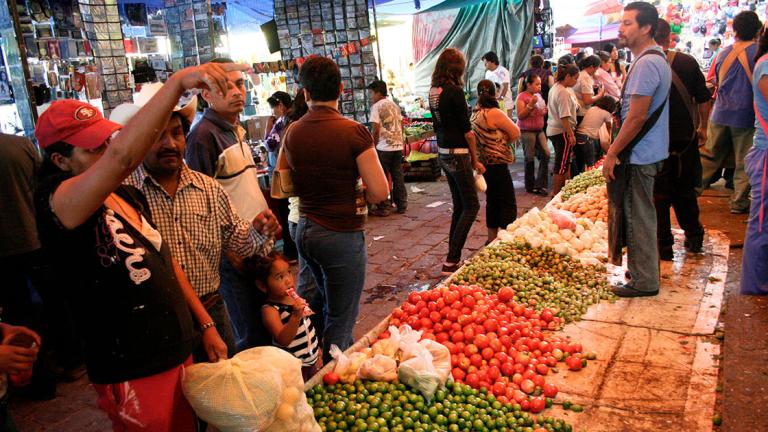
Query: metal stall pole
[(378, 40)]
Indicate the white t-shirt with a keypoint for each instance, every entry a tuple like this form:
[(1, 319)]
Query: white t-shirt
[(562, 103), (584, 85), (500, 76), (387, 114), (593, 120)]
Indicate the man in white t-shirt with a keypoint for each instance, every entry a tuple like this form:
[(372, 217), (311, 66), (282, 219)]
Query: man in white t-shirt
[(387, 124), (500, 76)]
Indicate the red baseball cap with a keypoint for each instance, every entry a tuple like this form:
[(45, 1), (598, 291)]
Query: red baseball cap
[(73, 122)]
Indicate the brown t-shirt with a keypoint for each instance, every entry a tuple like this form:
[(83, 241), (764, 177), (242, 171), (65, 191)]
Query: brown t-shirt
[(321, 149)]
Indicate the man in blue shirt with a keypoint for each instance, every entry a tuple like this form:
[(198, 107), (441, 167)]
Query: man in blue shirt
[(732, 125), (645, 91)]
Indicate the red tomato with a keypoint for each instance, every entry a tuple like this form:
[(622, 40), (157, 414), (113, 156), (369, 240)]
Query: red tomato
[(435, 317), (506, 294), (538, 380), (574, 363), (494, 362), (426, 323), (464, 362), (538, 404), (453, 315), (442, 337), (547, 315), (457, 337), (542, 369), (527, 386), (429, 336), (494, 373), (496, 345), (481, 341), (488, 353), (421, 304), (414, 297), (507, 369), (520, 397), (499, 389), (550, 390), (477, 360), (469, 334), (472, 380), (330, 379), (458, 374), (525, 405), (423, 313), (517, 378), (470, 349), (432, 306), (501, 357), (490, 325), (469, 301), (438, 327)]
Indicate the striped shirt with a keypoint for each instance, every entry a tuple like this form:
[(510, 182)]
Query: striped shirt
[(304, 345), (199, 222)]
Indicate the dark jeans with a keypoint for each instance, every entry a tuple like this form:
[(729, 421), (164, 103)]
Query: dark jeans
[(583, 154), (219, 315), (458, 170), (392, 162), (536, 147), (306, 286), (289, 247), (236, 291), (683, 200), (338, 261), (500, 205)]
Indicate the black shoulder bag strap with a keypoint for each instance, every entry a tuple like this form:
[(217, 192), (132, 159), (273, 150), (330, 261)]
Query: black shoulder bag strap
[(651, 120)]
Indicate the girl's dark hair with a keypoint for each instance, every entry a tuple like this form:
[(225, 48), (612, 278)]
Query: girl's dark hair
[(449, 68), (565, 60), (530, 78), (257, 268), (607, 103), (536, 62), (609, 47), (604, 56), (762, 44), (298, 108), (589, 61), (565, 71), (486, 94)]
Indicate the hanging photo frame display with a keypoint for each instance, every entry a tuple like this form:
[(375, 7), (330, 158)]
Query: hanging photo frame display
[(338, 29)]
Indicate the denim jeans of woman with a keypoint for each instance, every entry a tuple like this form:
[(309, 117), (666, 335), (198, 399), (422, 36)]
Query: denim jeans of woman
[(338, 261), (458, 170), (306, 286)]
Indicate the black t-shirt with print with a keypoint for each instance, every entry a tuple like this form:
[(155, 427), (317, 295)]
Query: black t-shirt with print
[(129, 305)]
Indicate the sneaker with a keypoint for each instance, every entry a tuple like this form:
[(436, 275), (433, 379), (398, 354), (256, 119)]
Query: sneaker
[(450, 268), (629, 291), (380, 212), (694, 246), (401, 210), (739, 211)]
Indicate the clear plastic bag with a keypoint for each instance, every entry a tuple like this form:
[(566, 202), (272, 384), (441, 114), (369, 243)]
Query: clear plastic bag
[(563, 219), (388, 346), (378, 368), (419, 372), (441, 358), (258, 389), (347, 365)]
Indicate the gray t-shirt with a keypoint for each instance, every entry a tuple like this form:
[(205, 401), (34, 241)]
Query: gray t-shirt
[(19, 163), (562, 103)]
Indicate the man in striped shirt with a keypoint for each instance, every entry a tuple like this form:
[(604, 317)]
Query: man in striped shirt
[(196, 215)]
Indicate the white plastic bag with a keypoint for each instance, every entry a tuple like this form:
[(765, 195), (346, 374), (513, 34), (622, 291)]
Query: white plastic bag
[(378, 368), (347, 365), (480, 184), (408, 337), (419, 372), (563, 219), (258, 389), (441, 358), (388, 346)]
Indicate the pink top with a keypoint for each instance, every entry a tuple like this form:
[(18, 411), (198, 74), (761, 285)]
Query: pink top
[(534, 122)]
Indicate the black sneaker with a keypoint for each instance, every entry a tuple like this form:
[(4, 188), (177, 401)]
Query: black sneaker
[(694, 246), (629, 291), (450, 268)]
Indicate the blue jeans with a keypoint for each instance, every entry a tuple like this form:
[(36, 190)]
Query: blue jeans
[(338, 261), (219, 315), (754, 266), (458, 170), (306, 285), (236, 291)]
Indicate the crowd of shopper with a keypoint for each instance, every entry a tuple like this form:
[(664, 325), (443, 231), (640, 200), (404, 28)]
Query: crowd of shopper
[(164, 241)]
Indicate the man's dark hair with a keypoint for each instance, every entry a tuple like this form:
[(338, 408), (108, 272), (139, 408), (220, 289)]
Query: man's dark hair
[(589, 61), (62, 148), (222, 60), (715, 41), (185, 124), (647, 15), (607, 103), (379, 87), (579, 57), (663, 30), (536, 62), (491, 57), (279, 97), (746, 25), (564, 71), (320, 77)]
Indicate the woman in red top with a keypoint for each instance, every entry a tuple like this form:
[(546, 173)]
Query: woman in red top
[(531, 109)]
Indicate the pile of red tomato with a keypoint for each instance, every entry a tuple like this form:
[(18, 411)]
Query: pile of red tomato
[(494, 342)]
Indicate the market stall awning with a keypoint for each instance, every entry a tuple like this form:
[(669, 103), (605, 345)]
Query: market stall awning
[(585, 21)]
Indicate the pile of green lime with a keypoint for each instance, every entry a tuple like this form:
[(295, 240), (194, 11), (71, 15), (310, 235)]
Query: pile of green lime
[(379, 406)]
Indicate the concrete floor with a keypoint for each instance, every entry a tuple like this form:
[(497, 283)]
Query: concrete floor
[(652, 369)]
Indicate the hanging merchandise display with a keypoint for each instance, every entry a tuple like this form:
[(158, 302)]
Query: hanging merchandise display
[(189, 30), (337, 29), (101, 23)]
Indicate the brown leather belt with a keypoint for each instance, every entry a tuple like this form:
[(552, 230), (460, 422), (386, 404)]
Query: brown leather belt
[(210, 299)]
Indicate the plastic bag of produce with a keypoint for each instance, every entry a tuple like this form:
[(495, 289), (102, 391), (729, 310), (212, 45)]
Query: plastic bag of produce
[(347, 365), (419, 372), (258, 389), (562, 218), (441, 358), (408, 337), (378, 368), (388, 346)]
